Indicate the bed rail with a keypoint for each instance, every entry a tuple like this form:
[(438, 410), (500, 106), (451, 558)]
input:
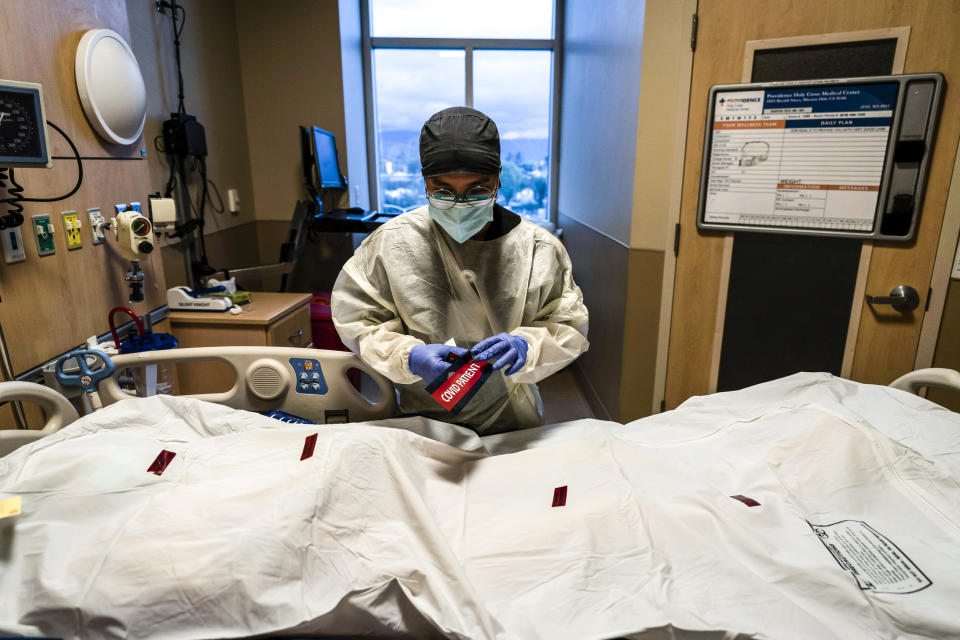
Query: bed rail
[(57, 410), (309, 383), (916, 380)]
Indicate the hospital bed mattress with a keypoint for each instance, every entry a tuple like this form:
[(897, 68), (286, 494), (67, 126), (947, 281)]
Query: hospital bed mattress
[(807, 507)]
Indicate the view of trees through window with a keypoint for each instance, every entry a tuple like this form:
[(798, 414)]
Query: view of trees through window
[(512, 86)]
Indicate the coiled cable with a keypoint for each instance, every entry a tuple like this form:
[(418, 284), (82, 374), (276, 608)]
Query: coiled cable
[(14, 215)]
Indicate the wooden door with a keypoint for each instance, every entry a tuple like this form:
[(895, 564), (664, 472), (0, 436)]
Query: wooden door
[(881, 344)]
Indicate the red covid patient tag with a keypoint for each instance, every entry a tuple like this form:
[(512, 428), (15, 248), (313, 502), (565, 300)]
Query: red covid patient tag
[(161, 462), (460, 382), (309, 443), (560, 496)]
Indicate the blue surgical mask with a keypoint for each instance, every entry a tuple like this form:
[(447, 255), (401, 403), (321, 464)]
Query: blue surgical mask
[(462, 221)]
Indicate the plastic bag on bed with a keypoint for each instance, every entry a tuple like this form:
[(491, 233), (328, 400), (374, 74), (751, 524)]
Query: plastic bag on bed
[(786, 511)]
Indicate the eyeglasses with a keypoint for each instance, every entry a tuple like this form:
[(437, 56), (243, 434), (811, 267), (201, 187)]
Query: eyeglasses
[(475, 197)]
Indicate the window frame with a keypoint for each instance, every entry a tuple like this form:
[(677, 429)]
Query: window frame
[(468, 46)]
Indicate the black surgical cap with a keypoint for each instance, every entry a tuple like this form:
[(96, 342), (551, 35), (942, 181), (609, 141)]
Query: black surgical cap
[(459, 140)]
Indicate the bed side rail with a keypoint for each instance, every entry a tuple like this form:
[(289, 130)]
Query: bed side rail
[(309, 383), (916, 380)]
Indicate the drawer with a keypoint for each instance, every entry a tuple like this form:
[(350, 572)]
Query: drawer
[(292, 330)]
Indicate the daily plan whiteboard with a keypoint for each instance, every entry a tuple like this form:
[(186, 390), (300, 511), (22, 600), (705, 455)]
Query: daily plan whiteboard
[(823, 157)]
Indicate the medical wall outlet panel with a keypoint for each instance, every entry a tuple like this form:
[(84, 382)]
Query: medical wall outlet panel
[(233, 201), (43, 231), (846, 157), (23, 128), (97, 224), (309, 376), (133, 231), (13, 250), (71, 229)]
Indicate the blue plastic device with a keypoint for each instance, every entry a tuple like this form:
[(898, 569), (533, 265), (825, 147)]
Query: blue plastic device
[(309, 376), (85, 379)]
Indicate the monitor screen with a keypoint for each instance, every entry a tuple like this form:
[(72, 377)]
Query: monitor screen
[(325, 155)]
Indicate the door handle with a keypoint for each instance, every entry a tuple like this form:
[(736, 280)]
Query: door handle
[(903, 298), (296, 336)]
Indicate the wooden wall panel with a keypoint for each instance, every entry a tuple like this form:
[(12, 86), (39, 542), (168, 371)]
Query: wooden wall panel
[(38, 43), (51, 304), (887, 341), (697, 283), (33, 413), (724, 28)]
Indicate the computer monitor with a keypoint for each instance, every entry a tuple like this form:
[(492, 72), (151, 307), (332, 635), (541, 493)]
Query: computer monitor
[(325, 158)]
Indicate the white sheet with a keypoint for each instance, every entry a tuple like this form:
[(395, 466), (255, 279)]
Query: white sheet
[(386, 530)]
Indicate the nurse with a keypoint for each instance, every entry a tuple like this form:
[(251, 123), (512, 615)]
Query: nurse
[(462, 274)]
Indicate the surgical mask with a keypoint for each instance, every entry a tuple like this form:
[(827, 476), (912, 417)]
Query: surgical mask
[(462, 220)]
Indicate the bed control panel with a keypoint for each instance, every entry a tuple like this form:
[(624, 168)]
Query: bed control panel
[(309, 376)]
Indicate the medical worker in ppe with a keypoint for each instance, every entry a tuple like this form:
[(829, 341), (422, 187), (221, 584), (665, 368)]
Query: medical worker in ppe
[(462, 273)]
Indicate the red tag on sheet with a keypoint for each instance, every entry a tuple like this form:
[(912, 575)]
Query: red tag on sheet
[(308, 444), (560, 496), (162, 462), (750, 502)]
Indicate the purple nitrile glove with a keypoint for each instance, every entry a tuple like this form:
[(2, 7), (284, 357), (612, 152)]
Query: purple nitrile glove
[(508, 349), (429, 361)]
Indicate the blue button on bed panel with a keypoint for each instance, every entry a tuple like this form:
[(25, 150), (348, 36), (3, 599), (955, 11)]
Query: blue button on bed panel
[(309, 376), (283, 416)]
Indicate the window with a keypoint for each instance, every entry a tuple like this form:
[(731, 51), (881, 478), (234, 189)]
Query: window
[(499, 57)]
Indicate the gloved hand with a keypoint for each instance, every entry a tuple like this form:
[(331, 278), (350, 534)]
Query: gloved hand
[(511, 350), (429, 360)]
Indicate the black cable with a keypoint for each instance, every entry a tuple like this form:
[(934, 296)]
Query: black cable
[(203, 188), (14, 216), (183, 16), (178, 16), (168, 191), (216, 190), (76, 187), (176, 44), (200, 220), (205, 192), (95, 158)]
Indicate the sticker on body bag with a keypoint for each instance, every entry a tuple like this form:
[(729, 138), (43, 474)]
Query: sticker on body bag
[(460, 382), (9, 507), (875, 562)]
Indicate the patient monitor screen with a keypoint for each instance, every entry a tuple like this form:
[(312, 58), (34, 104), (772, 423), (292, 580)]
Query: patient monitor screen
[(810, 157)]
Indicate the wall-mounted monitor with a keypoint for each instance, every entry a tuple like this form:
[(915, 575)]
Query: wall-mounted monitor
[(845, 157), (23, 125)]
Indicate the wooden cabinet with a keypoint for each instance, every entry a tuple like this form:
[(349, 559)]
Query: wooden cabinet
[(271, 319)]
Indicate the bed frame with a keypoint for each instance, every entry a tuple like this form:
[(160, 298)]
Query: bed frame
[(266, 379)]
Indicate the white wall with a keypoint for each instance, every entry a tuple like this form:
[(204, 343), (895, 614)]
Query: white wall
[(354, 121), (601, 88), (291, 71), (662, 122), (598, 137), (212, 93)]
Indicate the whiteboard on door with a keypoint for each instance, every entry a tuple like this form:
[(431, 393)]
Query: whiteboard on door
[(841, 157)]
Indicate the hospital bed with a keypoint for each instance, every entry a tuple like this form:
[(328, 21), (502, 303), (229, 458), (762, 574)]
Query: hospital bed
[(809, 506)]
